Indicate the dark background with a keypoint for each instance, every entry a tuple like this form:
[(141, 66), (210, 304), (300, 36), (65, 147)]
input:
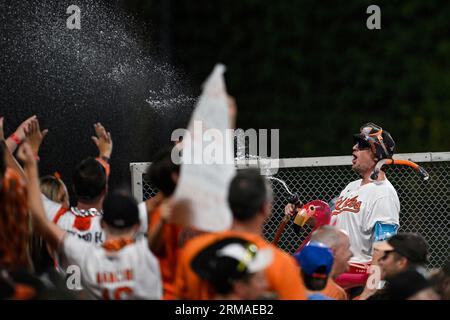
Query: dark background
[(310, 68)]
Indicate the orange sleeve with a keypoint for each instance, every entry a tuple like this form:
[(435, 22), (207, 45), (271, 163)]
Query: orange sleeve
[(334, 291), (104, 165), (169, 255)]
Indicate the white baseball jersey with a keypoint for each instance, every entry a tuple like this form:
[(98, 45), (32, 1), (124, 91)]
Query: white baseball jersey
[(129, 273), (88, 229), (357, 210)]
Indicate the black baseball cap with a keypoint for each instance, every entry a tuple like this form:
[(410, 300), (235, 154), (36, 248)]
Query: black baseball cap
[(409, 245), (120, 210)]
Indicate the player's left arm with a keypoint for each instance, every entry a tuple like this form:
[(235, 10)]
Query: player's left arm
[(383, 218), (383, 231)]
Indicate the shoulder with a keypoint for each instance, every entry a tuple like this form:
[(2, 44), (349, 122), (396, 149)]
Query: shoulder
[(195, 244), (383, 189), (353, 185)]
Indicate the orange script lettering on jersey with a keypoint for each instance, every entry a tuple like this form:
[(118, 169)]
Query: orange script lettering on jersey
[(347, 204)]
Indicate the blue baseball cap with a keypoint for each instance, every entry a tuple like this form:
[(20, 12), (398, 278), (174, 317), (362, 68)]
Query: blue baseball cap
[(315, 258)]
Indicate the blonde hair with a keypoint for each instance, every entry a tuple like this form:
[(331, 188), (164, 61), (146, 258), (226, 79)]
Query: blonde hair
[(51, 187)]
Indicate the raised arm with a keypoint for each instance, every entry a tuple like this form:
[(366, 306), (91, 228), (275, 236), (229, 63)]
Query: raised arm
[(19, 135), (51, 233), (104, 143)]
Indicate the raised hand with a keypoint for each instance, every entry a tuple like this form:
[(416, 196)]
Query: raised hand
[(102, 140), (22, 131), (26, 155), (35, 136)]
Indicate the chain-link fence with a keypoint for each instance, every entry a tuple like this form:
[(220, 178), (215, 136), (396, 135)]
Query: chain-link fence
[(425, 205)]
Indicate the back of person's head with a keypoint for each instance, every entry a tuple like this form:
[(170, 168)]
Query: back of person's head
[(441, 279), (120, 211), (229, 261), (89, 180), (316, 262), (247, 194), (328, 235), (54, 189), (411, 285), (163, 172)]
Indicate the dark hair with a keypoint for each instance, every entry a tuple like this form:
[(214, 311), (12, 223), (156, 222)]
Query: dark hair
[(161, 170), (89, 179), (247, 194)]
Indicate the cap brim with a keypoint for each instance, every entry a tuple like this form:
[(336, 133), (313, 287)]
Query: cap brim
[(382, 246), (262, 260)]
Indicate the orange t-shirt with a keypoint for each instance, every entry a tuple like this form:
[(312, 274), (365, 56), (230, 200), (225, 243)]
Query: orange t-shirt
[(174, 238), (334, 291), (283, 275), (168, 256)]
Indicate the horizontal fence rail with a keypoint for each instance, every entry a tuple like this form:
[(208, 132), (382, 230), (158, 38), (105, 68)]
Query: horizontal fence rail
[(425, 205)]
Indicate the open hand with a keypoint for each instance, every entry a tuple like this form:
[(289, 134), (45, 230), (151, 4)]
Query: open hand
[(102, 140), (22, 130), (35, 136)]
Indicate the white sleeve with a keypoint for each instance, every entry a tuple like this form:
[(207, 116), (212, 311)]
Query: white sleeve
[(143, 217), (73, 251), (385, 209), (51, 208)]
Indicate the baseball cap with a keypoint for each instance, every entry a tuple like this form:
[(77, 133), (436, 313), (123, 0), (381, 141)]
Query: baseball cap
[(230, 259), (409, 245), (315, 260), (120, 210), (377, 139)]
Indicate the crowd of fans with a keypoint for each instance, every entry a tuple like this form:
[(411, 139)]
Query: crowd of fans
[(127, 250)]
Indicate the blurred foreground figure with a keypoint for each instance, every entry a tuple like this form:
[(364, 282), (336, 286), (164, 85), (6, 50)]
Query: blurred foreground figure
[(234, 267), (250, 201)]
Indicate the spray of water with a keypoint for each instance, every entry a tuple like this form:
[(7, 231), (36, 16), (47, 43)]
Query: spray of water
[(282, 183), (106, 71)]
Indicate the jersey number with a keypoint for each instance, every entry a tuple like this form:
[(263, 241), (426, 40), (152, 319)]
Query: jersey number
[(120, 293)]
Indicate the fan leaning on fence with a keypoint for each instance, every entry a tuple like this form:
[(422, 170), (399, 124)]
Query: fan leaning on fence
[(368, 208)]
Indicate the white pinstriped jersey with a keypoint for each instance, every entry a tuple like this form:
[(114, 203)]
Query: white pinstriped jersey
[(130, 273), (357, 210)]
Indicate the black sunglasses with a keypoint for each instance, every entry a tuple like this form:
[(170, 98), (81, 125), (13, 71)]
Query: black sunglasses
[(386, 254), (362, 144)]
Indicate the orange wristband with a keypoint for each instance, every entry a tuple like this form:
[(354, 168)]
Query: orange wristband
[(15, 139)]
